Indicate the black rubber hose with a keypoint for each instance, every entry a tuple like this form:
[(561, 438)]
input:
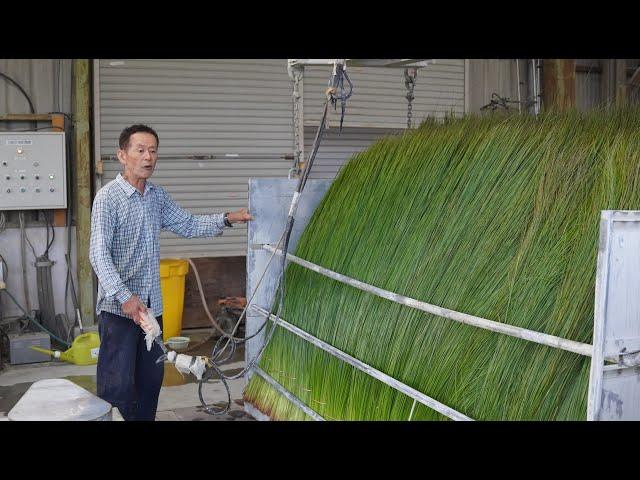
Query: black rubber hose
[(11, 80)]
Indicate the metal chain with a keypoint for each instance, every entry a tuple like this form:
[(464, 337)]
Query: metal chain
[(297, 141), (410, 83)]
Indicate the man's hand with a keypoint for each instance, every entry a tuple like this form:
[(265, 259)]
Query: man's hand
[(135, 308), (241, 216)]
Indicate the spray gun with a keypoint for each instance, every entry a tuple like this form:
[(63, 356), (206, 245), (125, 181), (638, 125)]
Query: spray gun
[(184, 363)]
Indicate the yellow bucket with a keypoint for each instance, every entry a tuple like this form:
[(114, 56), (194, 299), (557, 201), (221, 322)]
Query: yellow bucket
[(172, 279)]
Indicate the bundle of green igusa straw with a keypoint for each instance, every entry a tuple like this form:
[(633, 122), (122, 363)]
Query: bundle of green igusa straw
[(494, 217)]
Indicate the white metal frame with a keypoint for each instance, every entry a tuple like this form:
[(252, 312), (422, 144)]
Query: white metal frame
[(366, 62), (614, 388), (595, 351)]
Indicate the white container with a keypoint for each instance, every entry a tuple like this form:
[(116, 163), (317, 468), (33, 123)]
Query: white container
[(58, 399), (178, 343)]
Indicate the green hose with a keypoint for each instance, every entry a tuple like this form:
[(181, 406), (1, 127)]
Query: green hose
[(66, 344)]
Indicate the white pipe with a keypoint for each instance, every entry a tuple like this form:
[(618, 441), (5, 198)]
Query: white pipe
[(363, 367), (518, 332)]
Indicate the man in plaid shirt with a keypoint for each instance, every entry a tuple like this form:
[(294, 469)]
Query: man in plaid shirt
[(127, 217)]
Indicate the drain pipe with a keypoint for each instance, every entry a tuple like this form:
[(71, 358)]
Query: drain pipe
[(82, 151), (534, 86)]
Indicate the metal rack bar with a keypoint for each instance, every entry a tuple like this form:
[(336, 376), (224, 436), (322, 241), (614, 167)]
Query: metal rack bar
[(369, 370), (518, 332)]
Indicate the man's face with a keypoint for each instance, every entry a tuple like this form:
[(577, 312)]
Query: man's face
[(140, 157)]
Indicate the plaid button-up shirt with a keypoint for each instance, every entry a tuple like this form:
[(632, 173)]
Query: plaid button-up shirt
[(125, 241)]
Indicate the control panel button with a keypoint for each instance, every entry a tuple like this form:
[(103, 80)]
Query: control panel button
[(33, 171)]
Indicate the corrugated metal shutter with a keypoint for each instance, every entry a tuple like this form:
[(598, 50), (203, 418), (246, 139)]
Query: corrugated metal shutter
[(206, 107), (216, 107), (379, 94), (335, 149)]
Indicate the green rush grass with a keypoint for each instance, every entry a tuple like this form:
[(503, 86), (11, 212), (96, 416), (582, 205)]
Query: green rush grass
[(494, 217)]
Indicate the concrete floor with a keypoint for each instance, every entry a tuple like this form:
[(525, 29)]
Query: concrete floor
[(178, 396)]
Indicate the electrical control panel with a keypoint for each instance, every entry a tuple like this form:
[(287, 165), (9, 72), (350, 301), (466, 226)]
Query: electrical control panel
[(32, 170)]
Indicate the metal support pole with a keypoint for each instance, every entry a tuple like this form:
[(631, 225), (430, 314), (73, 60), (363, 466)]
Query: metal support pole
[(82, 144), (534, 86)]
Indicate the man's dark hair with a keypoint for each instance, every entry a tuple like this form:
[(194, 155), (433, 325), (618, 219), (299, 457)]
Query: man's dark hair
[(127, 132)]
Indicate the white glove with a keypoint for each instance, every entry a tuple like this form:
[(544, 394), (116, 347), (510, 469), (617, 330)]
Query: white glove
[(153, 331)]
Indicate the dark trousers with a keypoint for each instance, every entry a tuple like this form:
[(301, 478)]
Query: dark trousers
[(127, 375)]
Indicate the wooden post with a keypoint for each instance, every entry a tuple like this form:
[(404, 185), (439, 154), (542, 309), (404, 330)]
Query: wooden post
[(559, 84), (82, 142), (621, 82)]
